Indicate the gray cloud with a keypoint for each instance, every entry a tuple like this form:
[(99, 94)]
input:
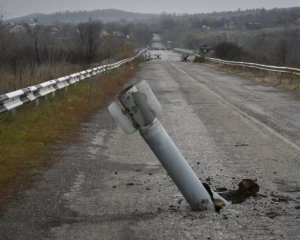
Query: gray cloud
[(13, 8)]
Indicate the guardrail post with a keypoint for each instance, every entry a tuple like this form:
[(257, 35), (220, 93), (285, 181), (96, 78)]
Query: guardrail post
[(37, 102), (137, 108)]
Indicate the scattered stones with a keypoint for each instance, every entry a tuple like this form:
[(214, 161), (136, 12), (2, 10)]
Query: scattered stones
[(138, 170), (147, 189), (130, 184), (150, 173), (116, 173), (114, 186)]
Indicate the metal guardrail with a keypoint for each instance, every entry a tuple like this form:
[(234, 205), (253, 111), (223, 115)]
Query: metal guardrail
[(276, 69), (185, 51), (18, 98), (269, 68)]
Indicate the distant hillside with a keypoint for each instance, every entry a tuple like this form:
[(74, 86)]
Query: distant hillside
[(107, 15)]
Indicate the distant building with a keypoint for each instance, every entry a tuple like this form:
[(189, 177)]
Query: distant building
[(104, 34), (230, 25), (253, 25), (119, 35), (205, 27), (15, 28)]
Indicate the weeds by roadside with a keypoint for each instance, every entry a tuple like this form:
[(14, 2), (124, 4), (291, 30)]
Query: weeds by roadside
[(27, 136), (288, 81)]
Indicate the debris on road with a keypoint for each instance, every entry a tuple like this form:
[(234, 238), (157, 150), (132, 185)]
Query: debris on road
[(147, 57), (199, 59), (157, 56), (185, 58), (247, 188), (219, 204), (241, 145)]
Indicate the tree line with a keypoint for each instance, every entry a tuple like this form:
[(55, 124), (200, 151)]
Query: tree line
[(83, 43), (263, 36), (31, 53)]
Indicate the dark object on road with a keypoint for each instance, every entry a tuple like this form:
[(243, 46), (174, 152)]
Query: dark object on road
[(241, 145), (148, 57), (199, 59), (185, 58), (157, 56), (247, 188), (219, 204), (272, 214), (221, 189)]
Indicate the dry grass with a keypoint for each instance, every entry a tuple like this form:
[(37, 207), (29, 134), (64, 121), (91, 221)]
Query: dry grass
[(28, 135), (288, 81), (32, 75)]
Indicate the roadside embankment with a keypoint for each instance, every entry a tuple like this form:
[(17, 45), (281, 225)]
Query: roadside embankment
[(286, 80), (28, 135)]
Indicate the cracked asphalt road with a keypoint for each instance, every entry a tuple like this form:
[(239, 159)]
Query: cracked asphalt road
[(109, 185)]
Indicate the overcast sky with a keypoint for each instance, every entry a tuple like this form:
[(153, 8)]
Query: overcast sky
[(13, 8)]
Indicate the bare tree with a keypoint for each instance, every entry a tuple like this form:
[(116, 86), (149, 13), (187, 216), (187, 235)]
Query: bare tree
[(283, 48), (89, 40), (4, 38), (33, 31)]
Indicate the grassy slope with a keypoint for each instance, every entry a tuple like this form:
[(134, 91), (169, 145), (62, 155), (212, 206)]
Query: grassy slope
[(27, 136), (288, 81)]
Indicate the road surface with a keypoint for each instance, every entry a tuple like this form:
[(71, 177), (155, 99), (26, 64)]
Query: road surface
[(109, 185)]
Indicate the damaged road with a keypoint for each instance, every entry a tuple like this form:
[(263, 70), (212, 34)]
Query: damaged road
[(109, 185)]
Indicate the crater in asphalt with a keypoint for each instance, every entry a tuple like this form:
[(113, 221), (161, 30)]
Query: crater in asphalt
[(247, 188)]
